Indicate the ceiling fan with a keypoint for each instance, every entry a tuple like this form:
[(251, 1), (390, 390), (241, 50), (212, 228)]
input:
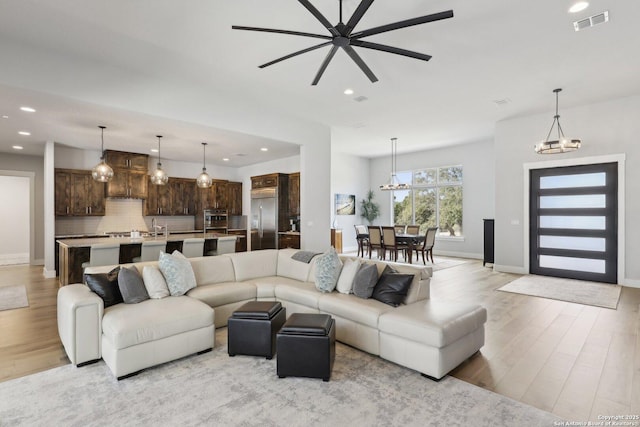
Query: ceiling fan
[(342, 36)]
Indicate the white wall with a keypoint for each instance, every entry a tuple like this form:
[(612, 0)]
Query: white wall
[(477, 160), (15, 213), (605, 128), (349, 175)]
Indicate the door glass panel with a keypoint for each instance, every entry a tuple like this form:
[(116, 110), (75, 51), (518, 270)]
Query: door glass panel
[(570, 181), (574, 202), (573, 222), (577, 243), (576, 264)]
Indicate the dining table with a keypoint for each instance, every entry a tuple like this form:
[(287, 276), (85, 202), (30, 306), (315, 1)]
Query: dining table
[(411, 240)]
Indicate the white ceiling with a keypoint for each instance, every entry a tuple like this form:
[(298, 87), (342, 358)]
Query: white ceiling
[(150, 67)]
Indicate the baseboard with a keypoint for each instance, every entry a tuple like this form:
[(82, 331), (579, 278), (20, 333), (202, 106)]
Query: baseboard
[(11, 259), (509, 269), (631, 283), (48, 274), (455, 254)]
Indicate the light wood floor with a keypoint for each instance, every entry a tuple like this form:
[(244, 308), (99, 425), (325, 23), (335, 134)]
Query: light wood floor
[(572, 360)]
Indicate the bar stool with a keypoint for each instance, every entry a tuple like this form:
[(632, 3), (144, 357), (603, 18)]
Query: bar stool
[(225, 245), (103, 254), (151, 250), (192, 248)]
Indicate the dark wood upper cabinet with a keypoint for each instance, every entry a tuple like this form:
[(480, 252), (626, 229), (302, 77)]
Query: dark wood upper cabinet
[(124, 160), (129, 174), (77, 194), (234, 198), (221, 197), (158, 200), (294, 194), (263, 181), (183, 196)]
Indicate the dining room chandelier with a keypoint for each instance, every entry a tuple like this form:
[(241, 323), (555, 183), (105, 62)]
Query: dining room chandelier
[(204, 180), (102, 172), (159, 177), (560, 145), (394, 184)]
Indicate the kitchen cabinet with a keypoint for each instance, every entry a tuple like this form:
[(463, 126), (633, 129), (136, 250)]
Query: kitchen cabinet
[(221, 197), (183, 195), (127, 183), (78, 194), (294, 194), (234, 198), (241, 243), (124, 160), (158, 200), (264, 181), (289, 241)]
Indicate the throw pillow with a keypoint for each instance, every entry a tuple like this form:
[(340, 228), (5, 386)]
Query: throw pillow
[(131, 286), (105, 285), (154, 282), (328, 266), (348, 273), (178, 273), (392, 287), (365, 280)]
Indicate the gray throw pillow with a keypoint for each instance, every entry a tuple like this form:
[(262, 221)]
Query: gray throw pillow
[(328, 267), (132, 286), (365, 280)]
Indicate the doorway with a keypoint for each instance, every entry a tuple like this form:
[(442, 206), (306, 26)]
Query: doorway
[(573, 222), (15, 227)]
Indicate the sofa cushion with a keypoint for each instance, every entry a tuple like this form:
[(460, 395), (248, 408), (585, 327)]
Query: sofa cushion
[(392, 287), (304, 293), (177, 272), (328, 267), (105, 285), (131, 286), (128, 325), (365, 280), (290, 268), (249, 265), (210, 270), (219, 294), (364, 311), (154, 282), (435, 323), (350, 268), (266, 286)]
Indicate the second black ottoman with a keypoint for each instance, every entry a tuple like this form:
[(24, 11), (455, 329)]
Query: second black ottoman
[(252, 328), (307, 346)]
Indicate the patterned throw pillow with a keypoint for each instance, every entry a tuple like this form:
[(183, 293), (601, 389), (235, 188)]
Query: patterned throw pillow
[(328, 266), (178, 273), (154, 282), (348, 273)]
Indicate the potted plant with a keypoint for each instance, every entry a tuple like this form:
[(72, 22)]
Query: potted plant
[(369, 209)]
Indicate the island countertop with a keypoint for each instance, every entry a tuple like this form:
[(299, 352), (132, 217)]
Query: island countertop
[(88, 241)]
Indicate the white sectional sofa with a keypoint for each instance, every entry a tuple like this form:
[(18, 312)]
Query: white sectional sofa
[(431, 337)]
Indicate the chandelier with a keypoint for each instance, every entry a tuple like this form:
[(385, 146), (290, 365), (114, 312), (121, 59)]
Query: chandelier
[(560, 145), (102, 172), (159, 177), (204, 180), (394, 184)]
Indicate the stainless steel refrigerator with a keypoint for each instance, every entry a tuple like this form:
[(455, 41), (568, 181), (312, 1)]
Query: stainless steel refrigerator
[(264, 218)]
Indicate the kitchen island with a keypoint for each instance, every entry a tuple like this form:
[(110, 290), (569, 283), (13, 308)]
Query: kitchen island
[(73, 252)]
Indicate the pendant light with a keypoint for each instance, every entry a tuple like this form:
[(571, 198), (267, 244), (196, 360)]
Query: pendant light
[(102, 172), (394, 184), (204, 180), (159, 177), (560, 145)]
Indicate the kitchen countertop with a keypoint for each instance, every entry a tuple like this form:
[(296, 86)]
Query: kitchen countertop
[(173, 237), (290, 233)]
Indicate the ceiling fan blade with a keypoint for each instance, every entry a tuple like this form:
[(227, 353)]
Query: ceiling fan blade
[(320, 17), (272, 30), (404, 24), (391, 49), (356, 58), (324, 65), (291, 55), (358, 14)]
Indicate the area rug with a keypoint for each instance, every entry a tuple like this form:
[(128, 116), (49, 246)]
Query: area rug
[(578, 291), (13, 297), (215, 389)]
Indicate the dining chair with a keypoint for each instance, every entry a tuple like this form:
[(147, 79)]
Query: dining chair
[(391, 244), (225, 245), (103, 254), (375, 240), (400, 229), (150, 250), (362, 238), (192, 248), (427, 244), (413, 229)]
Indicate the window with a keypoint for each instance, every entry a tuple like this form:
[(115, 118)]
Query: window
[(435, 200)]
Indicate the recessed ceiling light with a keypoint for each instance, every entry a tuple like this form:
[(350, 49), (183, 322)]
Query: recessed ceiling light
[(24, 133), (4, 116), (154, 150), (578, 7), (17, 147), (348, 91), (225, 159), (264, 149), (28, 109)]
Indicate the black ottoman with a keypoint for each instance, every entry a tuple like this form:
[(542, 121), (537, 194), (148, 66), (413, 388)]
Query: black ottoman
[(307, 346), (252, 328)]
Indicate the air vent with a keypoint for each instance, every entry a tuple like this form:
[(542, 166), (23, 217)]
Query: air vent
[(360, 98), (591, 21), (502, 101)]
